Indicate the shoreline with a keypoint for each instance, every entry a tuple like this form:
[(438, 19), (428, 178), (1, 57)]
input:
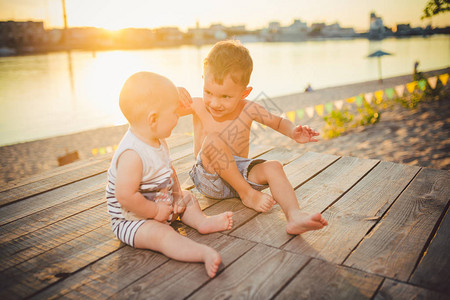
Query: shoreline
[(29, 158)]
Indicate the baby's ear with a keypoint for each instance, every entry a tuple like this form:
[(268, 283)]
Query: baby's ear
[(246, 92), (152, 118)]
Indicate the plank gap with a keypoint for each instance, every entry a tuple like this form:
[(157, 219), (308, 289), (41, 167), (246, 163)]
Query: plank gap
[(290, 279), (430, 239), (378, 221)]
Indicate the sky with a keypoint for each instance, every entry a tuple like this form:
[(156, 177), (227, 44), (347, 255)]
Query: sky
[(117, 14)]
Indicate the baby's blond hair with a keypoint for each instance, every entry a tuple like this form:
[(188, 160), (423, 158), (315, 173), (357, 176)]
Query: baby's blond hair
[(229, 58), (142, 92)]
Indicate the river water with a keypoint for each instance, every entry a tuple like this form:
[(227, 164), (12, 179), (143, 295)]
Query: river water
[(58, 93)]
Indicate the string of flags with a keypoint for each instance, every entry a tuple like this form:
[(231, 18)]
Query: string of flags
[(376, 97), (320, 109), (103, 150)]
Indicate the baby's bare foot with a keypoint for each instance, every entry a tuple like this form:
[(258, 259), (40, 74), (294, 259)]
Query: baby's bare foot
[(302, 222), (220, 222), (259, 201), (212, 261)]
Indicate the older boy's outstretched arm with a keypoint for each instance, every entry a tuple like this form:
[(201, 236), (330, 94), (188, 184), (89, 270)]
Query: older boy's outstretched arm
[(184, 105), (300, 134), (129, 172)]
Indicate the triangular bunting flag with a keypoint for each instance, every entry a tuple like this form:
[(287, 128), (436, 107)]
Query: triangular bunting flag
[(379, 96), (109, 149), (359, 100), (319, 109), (400, 90), (389, 93), (291, 116), (94, 151), (329, 107), (411, 86), (432, 81), (254, 126), (422, 84), (350, 100), (102, 150), (339, 104), (283, 115), (300, 113), (443, 78), (368, 97), (310, 111)]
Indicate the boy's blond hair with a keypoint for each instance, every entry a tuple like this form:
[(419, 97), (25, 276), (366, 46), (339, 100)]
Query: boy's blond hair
[(229, 57), (142, 92)]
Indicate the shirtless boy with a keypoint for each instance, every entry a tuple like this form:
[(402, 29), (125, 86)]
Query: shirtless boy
[(143, 191), (222, 122)]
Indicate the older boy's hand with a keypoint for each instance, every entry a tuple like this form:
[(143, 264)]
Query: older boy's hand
[(164, 211), (179, 207), (185, 97), (304, 134)]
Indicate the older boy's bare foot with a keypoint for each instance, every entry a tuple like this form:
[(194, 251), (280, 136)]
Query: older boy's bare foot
[(259, 201), (302, 222), (212, 261), (220, 222)]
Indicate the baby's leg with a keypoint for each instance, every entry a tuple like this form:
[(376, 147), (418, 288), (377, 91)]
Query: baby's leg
[(163, 238), (217, 157), (195, 218), (272, 172)]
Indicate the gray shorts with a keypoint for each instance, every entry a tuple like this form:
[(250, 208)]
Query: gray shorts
[(213, 186)]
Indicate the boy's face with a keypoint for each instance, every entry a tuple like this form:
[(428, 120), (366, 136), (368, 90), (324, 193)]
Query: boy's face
[(222, 100)]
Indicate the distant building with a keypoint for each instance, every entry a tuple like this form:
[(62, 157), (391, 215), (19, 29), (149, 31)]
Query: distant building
[(335, 30), (22, 34), (376, 30), (316, 29)]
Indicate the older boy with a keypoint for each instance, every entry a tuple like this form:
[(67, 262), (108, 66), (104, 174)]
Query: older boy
[(222, 122), (143, 192)]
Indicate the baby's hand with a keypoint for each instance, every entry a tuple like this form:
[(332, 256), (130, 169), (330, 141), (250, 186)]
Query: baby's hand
[(185, 97), (304, 134), (164, 211)]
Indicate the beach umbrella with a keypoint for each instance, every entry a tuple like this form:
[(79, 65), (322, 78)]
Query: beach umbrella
[(378, 54)]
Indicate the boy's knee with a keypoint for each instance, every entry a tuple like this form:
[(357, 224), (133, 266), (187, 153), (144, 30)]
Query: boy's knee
[(273, 167)]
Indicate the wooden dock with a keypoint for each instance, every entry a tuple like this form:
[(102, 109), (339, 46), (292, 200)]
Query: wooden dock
[(388, 236)]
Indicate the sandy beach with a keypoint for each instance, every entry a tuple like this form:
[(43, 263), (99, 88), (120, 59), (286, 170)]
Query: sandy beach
[(416, 137)]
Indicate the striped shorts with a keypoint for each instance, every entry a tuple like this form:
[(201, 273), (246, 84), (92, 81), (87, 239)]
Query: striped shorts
[(126, 230)]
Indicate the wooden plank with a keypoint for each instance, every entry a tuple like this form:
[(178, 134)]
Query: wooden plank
[(258, 274), (51, 215), (397, 290), (322, 280), (355, 213), (433, 271), (270, 228), (282, 155), (38, 187), (395, 246), (53, 172), (106, 277), (35, 243), (176, 280), (46, 200), (31, 276)]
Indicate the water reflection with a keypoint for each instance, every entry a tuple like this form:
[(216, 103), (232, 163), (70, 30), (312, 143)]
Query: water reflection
[(59, 93)]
